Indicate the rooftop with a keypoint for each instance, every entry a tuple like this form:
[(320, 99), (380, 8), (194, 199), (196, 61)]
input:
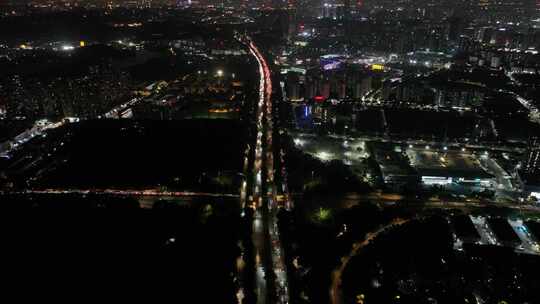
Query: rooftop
[(447, 163)]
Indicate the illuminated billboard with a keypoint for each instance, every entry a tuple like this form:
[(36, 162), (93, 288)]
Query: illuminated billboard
[(331, 62), (377, 67), (319, 98)]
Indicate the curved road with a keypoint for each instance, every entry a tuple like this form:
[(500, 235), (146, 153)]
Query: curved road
[(335, 287)]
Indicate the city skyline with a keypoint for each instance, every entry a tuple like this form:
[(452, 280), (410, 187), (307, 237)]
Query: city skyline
[(261, 152)]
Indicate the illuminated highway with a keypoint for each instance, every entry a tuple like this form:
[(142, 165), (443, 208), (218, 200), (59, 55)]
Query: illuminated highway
[(269, 258), (127, 192), (39, 128)]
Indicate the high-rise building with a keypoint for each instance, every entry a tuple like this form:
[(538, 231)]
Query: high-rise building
[(293, 86), (532, 160)]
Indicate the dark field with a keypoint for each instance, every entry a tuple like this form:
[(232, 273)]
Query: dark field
[(115, 250), (192, 154), (415, 263)]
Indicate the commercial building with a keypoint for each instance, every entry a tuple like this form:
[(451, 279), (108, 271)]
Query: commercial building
[(394, 165), (449, 167)]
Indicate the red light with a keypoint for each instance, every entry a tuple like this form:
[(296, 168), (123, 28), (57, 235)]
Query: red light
[(319, 98)]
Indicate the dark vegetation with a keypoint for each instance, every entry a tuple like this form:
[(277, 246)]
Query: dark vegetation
[(312, 177), (315, 242), (107, 248), (415, 263), (197, 155)]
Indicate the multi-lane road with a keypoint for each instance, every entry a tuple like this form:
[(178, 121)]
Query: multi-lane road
[(270, 273), (125, 192)]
